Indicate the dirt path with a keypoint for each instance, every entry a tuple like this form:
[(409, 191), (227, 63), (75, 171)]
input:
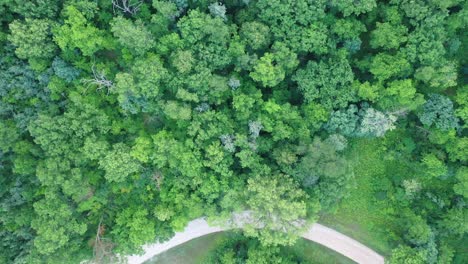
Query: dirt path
[(342, 244), (317, 233)]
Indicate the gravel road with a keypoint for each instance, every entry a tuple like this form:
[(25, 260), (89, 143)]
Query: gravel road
[(317, 233)]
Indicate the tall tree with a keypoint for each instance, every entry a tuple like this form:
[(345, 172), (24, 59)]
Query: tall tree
[(278, 207)]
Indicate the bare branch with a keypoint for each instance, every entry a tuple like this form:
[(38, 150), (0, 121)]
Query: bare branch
[(126, 6), (102, 248), (399, 112), (99, 79), (158, 178)]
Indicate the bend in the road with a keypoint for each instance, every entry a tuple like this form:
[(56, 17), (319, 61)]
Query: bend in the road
[(317, 233)]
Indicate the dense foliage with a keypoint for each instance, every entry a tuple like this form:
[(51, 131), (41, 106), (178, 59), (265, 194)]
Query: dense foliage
[(238, 249), (120, 121)]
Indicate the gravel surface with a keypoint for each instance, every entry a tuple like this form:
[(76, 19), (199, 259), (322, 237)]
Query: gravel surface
[(318, 233)]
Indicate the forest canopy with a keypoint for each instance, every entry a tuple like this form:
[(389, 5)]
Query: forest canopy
[(122, 120)]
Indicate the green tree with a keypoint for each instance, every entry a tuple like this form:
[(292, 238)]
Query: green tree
[(324, 173), (278, 206), (183, 61), (433, 166), (214, 108), (348, 7), (385, 66), (461, 187), (266, 72), (327, 82), (94, 148), (119, 163), (462, 100), (407, 255), (265, 255), (34, 8), (61, 135), (271, 69), (64, 70), (368, 91), (238, 249), (255, 34), (418, 231), (33, 40), (297, 24), (56, 225), (316, 39), (343, 121), (437, 79), (456, 148), (348, 32), (164, 17), (438, 111), (283, 121), (132, 35), (78, 32), (375, 123), (388, 36), (400, 95), (177, 111), (315, 115), (8, 135), (133, 228), (207, 37), (139, 89), (453, 222)]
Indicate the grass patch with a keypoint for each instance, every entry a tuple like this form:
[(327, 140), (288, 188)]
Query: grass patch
[(361, 215), (311, 252), (191, 252)]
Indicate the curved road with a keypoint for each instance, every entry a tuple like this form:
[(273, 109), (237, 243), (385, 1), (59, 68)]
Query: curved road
[(317, 233)]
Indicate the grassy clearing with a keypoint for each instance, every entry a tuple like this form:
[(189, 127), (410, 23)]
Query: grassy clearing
[(192, 252), (311, 252), (360, 215)]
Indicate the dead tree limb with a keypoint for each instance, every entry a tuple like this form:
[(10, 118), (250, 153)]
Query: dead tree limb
[(102, 248), (158, 178), (126, 6), (99, 80)]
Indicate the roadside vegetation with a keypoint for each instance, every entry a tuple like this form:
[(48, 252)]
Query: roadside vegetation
[(122, 120), (232, 246)]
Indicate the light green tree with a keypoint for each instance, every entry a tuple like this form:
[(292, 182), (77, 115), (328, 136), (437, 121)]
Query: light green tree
[(407, 255), (400, 95), (277, 206), (255, 34), (134, 227), (388, 36), (348, 7), (461, 187), (33, 40), (385, 66), (56, 224), (78, 32), (119, 163), (271, 69), (434, 166), (132, 35), (375, 123)]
